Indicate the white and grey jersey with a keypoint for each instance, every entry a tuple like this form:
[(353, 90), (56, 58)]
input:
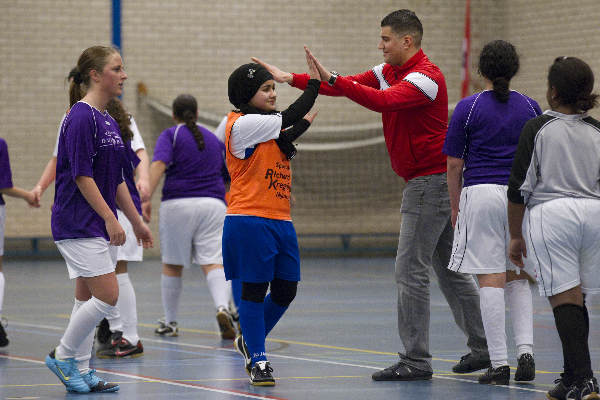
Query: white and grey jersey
[(558, 156)]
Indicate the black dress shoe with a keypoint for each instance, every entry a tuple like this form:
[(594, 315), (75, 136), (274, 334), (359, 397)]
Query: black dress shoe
[(401, 372), (468, 363)]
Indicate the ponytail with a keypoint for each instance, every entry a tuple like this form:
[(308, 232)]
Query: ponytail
[(501, 89), (189, 118), (117, 111)]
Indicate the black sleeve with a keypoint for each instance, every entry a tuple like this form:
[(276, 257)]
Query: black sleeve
[(523, 157), (285, 139), (302, 105)]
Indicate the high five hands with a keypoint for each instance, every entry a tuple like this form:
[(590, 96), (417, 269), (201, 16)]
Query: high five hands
[(281, 76)]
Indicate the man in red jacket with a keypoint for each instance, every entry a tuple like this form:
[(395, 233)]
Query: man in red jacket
[(410, 93)]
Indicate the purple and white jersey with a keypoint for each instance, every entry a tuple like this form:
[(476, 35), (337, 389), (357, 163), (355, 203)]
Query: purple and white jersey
[(5, 173), (485, 132), (191, 172), (90, 145)]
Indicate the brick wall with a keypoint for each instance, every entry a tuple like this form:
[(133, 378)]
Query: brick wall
[(174, 47)]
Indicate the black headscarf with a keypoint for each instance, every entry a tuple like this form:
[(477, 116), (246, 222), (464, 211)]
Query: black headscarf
[(245, 81)]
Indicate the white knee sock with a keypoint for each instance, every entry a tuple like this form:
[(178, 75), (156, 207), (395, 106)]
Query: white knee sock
[(171, 290), (84, 351), (220, 289), (518, 294), (127, 308), (2, 283), (491, 301), (82, 322)]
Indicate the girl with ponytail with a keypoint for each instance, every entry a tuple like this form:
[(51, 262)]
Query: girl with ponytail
[(192, 212), (480, 144)]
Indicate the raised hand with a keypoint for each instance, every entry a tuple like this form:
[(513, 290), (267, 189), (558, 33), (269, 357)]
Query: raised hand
[(278, 75), (310, 117), (312, 68), (323, 72)]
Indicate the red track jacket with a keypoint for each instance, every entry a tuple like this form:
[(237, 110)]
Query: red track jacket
[(413, 101)]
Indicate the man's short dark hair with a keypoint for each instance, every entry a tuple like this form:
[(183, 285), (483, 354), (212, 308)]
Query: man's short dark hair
[(404, 22)]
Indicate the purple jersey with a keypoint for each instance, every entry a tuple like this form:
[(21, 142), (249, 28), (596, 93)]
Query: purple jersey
[(128, 175), (5, 173), (191, 172), (485, 132), (89, 145)]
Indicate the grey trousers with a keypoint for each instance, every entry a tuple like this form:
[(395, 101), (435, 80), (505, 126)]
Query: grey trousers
[(425, 243)]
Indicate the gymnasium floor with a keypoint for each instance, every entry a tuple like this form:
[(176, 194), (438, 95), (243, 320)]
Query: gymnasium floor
[(340, 329)]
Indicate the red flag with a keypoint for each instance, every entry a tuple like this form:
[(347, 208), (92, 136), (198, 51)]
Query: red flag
[(466, 49)]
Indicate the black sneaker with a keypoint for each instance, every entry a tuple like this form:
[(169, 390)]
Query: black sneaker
[(468, 364), (240, 346), (225, 322), (496, 376), (525, 369), (103, 332), (584, 390), (559, 391), (401, 372), (108, 349), (3, 338), (260, 375)]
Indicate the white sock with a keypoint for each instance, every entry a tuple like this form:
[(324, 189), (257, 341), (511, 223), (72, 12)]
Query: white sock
[(2, 283), (491, 301), (171, 290), (518, 294), (127, 308), (81, 324), (84, 351), (219, 288)]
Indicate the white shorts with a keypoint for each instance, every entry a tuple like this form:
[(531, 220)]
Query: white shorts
[(131, 249), (88, 257), (191, 231), (481, 234), (562, 238), (2, 221)]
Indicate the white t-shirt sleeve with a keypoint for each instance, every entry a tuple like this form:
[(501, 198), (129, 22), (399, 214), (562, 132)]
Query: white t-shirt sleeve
[(220, 131), (55, 153), (137, 143), (252, 129)]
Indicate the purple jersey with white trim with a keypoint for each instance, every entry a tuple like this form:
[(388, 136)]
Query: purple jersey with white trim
[(191, 172), (5, 172), (128, 174), (89, 145), (485, 132)]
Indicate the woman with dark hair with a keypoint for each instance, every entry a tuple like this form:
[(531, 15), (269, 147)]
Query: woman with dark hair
[(192, 211), (481, 142), (89, 185), (553, 214), (260, 247)]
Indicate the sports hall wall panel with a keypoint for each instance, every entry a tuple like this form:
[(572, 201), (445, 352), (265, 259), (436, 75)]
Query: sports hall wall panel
[(181, 46)]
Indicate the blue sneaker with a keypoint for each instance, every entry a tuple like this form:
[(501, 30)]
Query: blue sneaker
[(67, 372), (97, 384)]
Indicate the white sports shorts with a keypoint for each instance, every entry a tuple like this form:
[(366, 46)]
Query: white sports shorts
[(2, 221), (191, 231), (562, 238), (481, 234), (88, 257), (131, 250)]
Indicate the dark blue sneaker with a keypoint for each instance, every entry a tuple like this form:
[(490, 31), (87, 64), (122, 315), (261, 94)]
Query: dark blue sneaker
[(68, 373)]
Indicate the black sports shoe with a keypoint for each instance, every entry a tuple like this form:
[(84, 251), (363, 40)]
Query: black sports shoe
[(240, 346), (496, 376), (468, 364), (103, 332), (3, 339), (225, 321), (108, 349), (401, 372), (559, 391), (526, 368), (260, 375), (584, 390)]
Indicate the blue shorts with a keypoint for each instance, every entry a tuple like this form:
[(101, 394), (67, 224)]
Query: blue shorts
[(257, 249)]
